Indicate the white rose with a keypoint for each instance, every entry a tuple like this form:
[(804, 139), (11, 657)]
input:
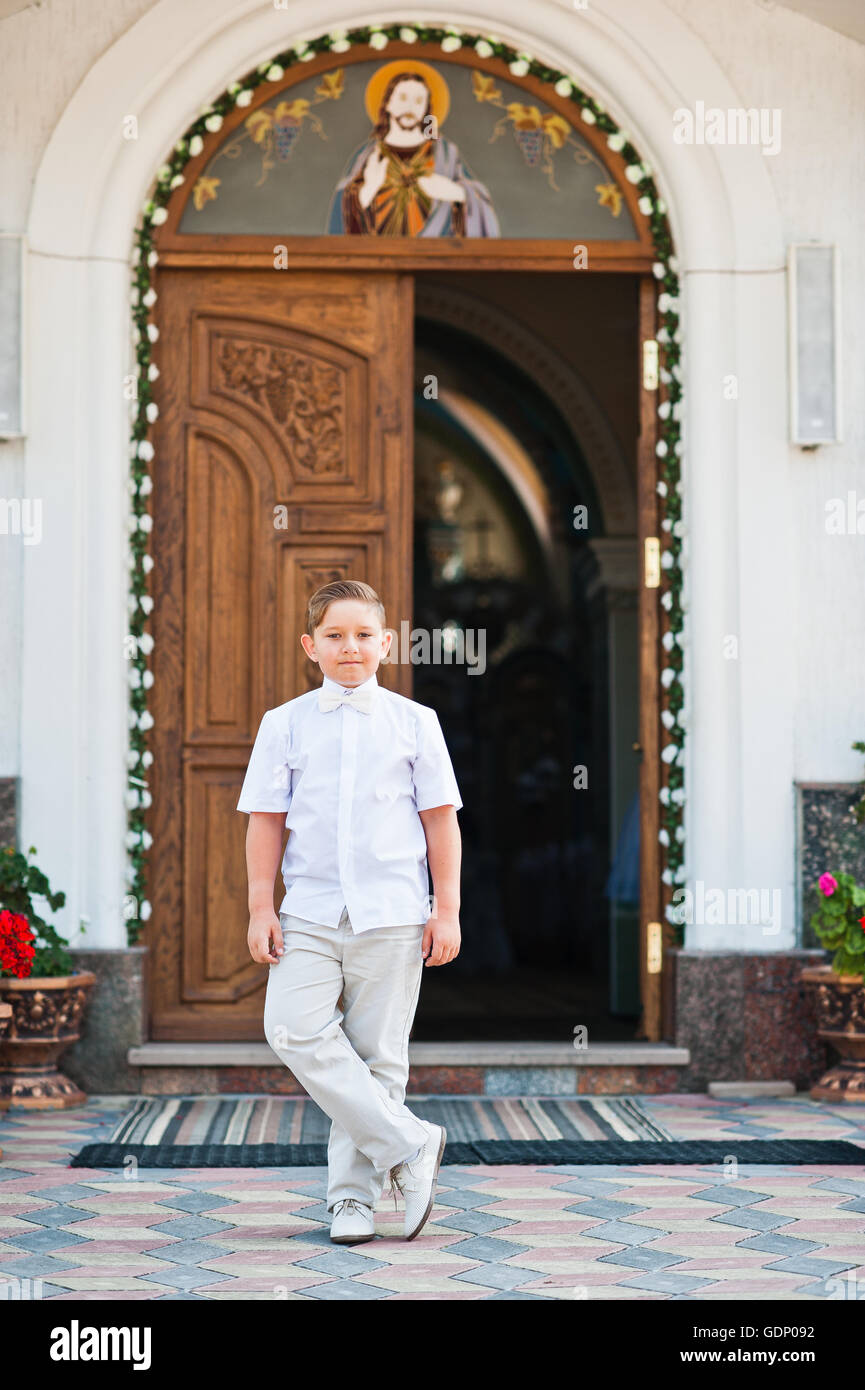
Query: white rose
[(662, 834), (145, 643), (160, 215), (669, 756), (145, 908), (407, 35), (152, 332), (196, 145), (483, 49), (616, 142), (667, 719), (176, 181), (378, 40), (152, 258), (563, 87), (213, 122), (147, 563), (145, 450), (145, 721), (152, 411), (659, 270), (645, 205), (661, 448), (274, 73), (243, 98), (668, 675), (589, 116), (145, 523), (519, 67), (633, 173), (152, 372), (664, 410), (661, 488), (145, 487), (147, 681), (146, 604), (146, 839), (451, 43)]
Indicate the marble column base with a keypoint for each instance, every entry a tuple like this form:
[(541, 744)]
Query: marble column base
[(114, 1022), (747, 1017)]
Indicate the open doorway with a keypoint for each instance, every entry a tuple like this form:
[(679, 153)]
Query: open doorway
[(525, 557)]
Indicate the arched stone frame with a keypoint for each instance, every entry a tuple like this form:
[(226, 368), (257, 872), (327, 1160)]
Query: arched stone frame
[(558, 379), (86, 203)]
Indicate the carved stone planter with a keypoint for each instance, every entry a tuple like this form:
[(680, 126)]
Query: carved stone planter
[(46, 1017), (840, 1003), (5, 1020)]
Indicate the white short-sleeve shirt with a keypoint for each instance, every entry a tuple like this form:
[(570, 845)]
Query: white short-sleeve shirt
[(351, 785)]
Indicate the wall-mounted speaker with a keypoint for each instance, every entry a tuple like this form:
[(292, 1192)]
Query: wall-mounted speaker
[(11, 335), (813, 280)]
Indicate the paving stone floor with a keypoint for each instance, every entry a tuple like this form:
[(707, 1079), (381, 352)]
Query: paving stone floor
[(704, 1232)]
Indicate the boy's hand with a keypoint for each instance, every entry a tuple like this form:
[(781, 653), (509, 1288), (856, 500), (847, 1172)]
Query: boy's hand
[(441, 939), (264, 929)]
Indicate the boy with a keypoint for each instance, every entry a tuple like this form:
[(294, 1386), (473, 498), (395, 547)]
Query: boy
[(370, 799)]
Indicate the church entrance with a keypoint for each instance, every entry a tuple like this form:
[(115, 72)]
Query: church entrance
[(461, 415)]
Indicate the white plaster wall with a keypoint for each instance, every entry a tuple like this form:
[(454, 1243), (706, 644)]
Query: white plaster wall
[(762, 567)]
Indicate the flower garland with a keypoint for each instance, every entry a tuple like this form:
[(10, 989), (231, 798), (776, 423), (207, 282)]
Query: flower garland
[(145, 411)]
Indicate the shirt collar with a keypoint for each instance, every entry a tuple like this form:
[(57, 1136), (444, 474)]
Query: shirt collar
[(328, 684)]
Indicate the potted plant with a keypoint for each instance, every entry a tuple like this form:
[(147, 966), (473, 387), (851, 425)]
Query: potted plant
[(839, 924), (46, 994)]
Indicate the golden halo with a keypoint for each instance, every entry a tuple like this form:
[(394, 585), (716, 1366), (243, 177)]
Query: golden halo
[(440, 98)]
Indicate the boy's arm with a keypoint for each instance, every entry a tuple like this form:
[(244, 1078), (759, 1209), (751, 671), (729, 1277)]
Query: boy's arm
[(441, 939), (263, 853)]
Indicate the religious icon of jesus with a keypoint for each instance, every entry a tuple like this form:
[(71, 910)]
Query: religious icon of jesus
[(407, 179)]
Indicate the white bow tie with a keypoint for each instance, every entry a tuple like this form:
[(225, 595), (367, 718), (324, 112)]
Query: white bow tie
[(361, 697)]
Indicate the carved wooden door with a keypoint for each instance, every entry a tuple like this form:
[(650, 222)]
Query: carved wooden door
[(283, 461)]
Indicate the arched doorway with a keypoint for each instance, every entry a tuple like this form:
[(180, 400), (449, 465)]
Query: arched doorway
[(289, 397)]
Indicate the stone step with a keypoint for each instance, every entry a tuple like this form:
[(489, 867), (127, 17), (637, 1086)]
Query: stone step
[(471, 1068)]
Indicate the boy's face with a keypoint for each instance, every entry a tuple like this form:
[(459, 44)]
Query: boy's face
[(349, 642)]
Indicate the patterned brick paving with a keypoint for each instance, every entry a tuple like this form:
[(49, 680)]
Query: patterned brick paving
[(707, 1232)]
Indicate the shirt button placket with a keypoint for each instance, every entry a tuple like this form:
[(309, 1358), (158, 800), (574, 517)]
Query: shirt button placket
[(345, 819)]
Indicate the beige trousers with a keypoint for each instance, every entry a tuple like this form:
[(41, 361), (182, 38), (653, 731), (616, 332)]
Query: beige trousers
[(353, 1060)]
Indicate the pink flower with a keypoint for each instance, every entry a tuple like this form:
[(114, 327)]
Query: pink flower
[(827, 884)]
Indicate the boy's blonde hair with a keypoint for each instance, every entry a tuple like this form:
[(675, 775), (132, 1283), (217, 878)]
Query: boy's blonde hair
[(332, 593)]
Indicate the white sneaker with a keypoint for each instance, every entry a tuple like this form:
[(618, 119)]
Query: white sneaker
[(352, 1222), (416, 1180)]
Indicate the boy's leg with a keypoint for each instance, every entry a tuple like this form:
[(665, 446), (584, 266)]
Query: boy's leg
[(303, 1025), (382, 972)]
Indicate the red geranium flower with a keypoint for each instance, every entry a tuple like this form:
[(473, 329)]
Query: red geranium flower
[(16, 944)]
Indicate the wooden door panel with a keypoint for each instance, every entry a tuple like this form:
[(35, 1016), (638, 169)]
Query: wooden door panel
[(283, 460), (303, 391)]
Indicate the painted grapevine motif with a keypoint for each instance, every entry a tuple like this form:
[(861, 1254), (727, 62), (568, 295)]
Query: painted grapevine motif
[(669, 447)]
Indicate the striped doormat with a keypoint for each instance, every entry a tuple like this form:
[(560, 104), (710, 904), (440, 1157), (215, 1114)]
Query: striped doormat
[(291, 1132), (298, 1120)]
